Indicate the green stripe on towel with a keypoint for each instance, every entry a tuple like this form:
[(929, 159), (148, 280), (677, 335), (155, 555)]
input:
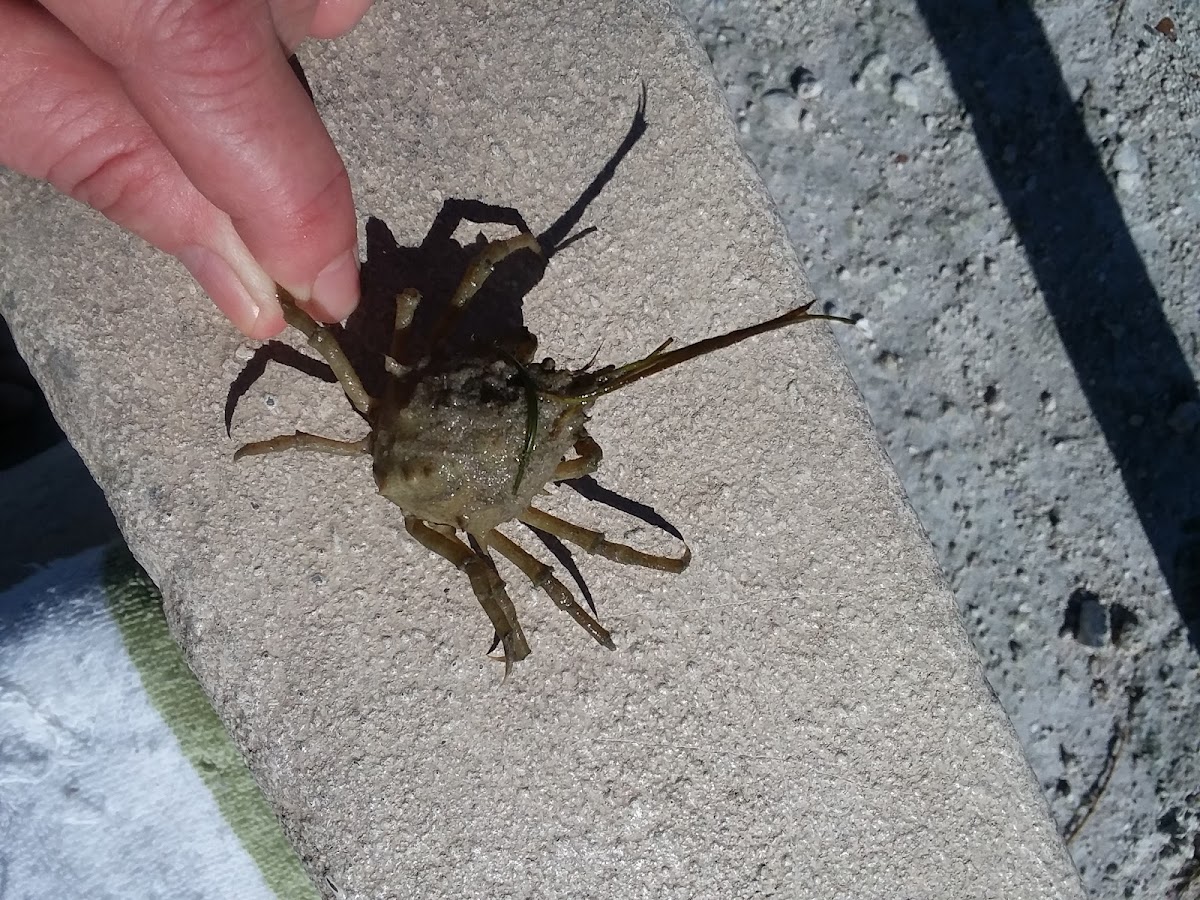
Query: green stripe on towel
[(136, 607)]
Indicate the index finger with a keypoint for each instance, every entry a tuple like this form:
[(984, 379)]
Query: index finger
[(212, 80)]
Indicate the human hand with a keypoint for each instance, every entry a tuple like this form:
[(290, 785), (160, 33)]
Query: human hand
[(182, 121)]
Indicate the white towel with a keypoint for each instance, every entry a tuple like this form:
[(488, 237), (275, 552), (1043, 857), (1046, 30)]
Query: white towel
[(117, 780)]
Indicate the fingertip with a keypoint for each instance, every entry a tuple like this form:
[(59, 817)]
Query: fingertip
[(333, 18), (267, 324)]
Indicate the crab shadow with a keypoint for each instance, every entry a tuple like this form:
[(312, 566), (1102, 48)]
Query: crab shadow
[(494, 317)]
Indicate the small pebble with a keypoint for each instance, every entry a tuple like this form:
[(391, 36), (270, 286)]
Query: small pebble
[(905, 92), (781, 110), (873, 72), (1127, 158), (888, 360), (1129, 182)]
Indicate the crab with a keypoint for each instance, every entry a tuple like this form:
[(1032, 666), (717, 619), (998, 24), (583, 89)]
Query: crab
[(463, 439)]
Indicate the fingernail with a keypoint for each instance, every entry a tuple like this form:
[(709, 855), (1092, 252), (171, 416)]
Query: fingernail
[(229, 292), (225, 289), (335, 292)]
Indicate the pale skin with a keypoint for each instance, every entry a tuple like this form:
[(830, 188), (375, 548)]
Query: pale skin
[(182, 121)]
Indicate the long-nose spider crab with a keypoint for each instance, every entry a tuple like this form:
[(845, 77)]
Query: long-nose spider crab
[(464, 442)]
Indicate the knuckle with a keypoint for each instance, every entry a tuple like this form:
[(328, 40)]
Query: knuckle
[(116, 183), (110, 170), (297, 215), (316, 208)]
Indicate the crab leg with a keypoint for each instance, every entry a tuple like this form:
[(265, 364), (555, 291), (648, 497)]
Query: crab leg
[(490, 255), (407, 302), (543, 577), (302, 440), (485, 581), (611, 378), (485, 262), (585, 463), (456, 210), (322, 340), (595, 542)]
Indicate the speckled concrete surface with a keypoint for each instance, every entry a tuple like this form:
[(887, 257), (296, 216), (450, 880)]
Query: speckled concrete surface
[(1008, 192), (799, 712)]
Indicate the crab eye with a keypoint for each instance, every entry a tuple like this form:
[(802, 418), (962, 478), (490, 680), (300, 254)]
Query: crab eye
[(417, 468), (410, 470)]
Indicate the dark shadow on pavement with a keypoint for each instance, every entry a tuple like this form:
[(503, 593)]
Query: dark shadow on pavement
[(1108, 314)]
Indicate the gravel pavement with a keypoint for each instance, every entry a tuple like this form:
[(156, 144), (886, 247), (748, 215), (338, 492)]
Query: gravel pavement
[(1008, 193)]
